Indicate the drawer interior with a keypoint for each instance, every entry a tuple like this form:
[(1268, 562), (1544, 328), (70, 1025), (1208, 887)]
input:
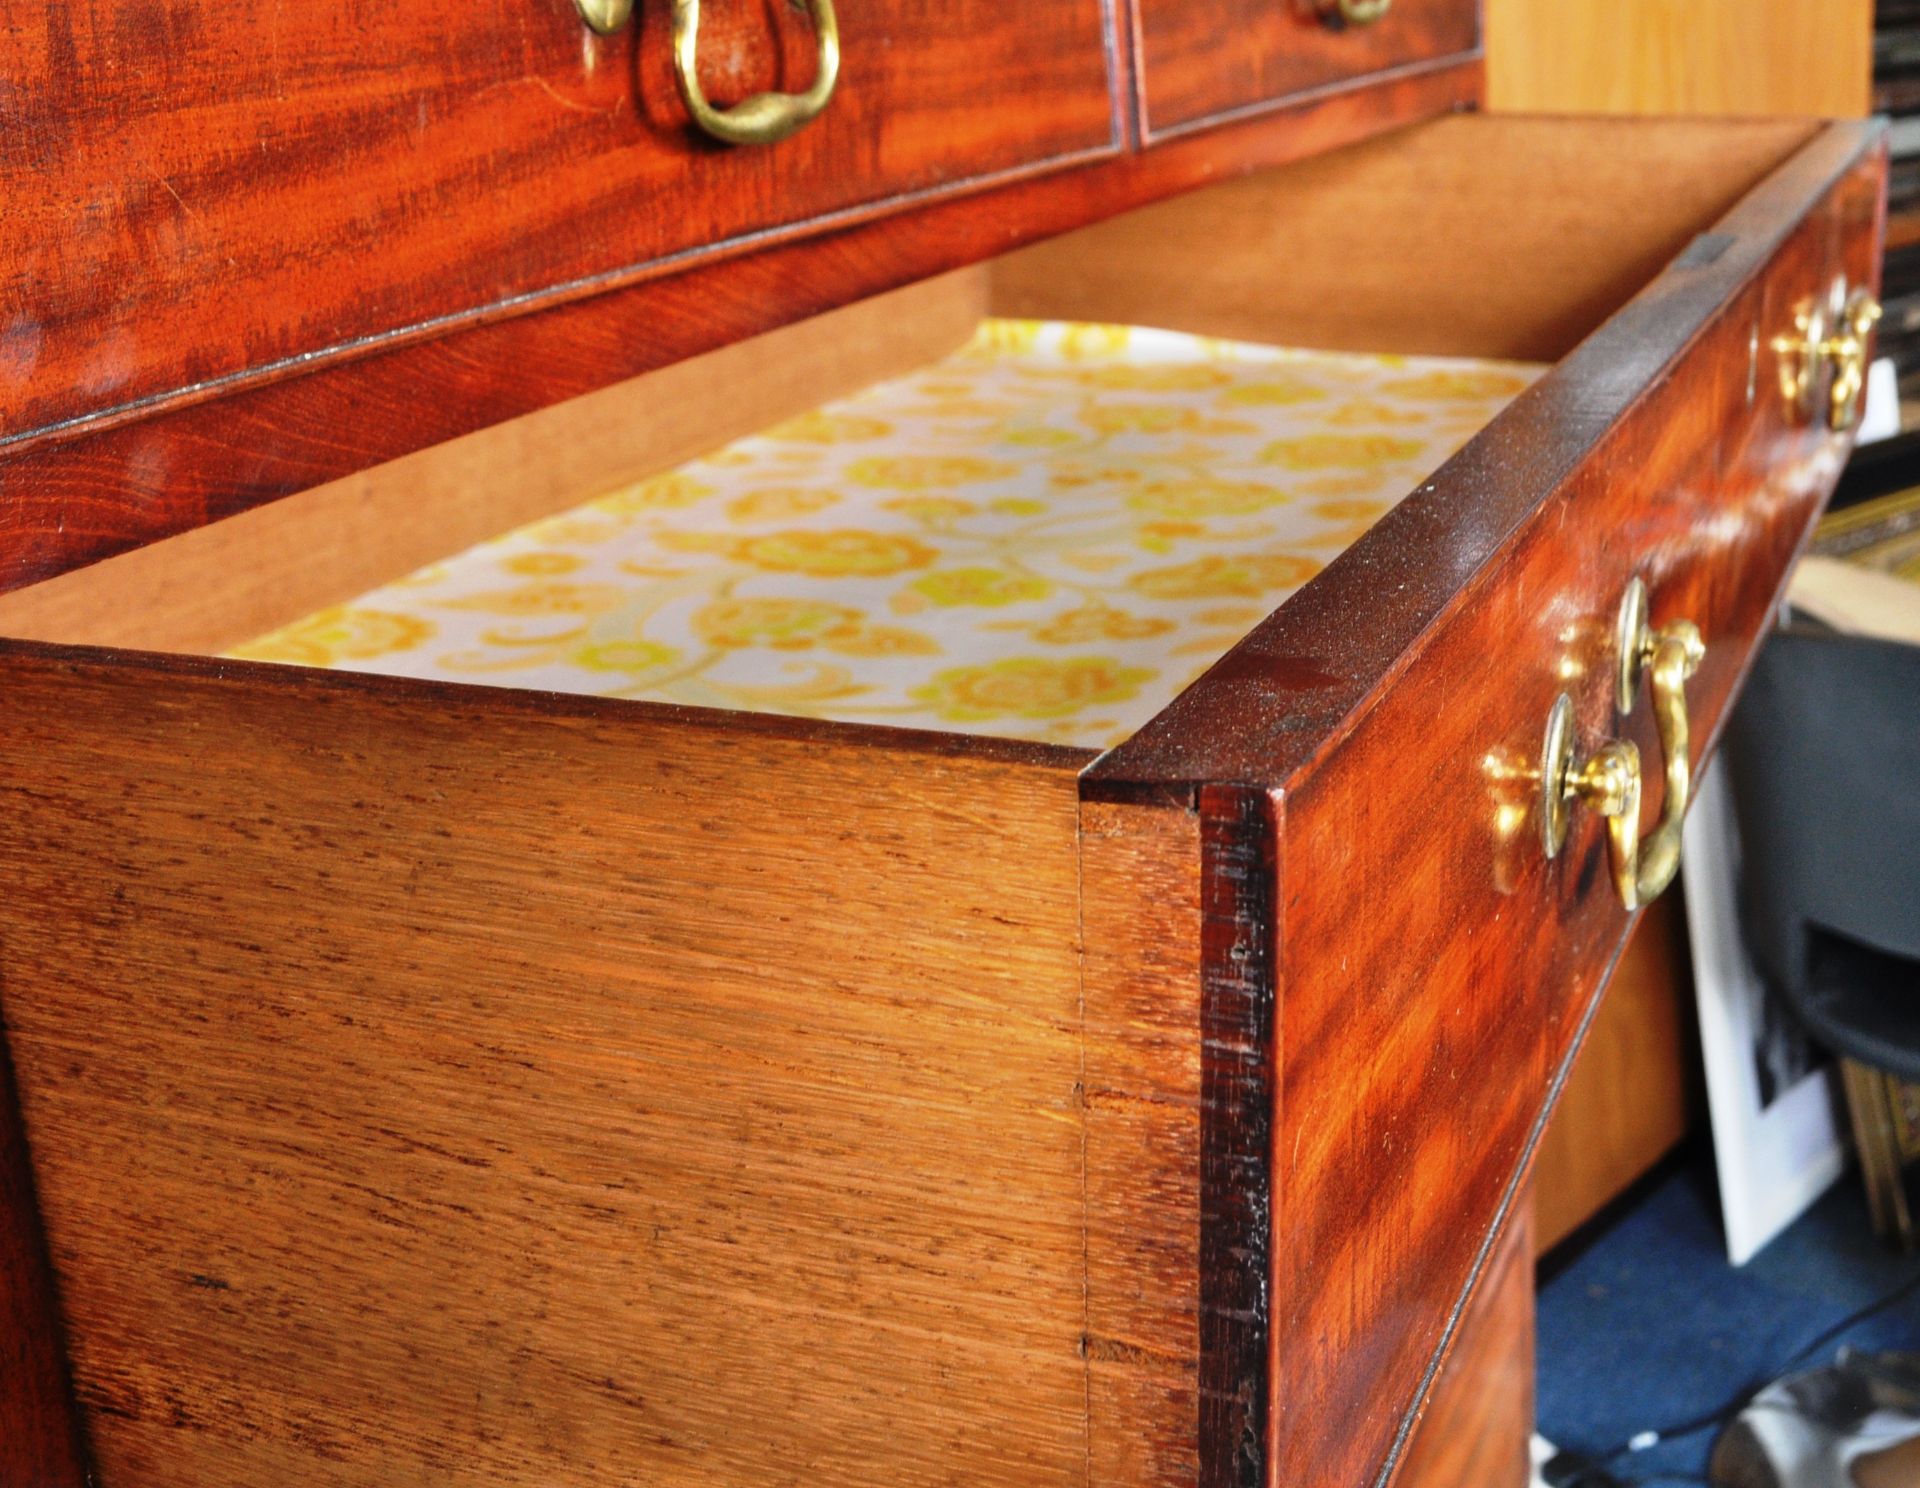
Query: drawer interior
[(1045, 534), (982, 503)]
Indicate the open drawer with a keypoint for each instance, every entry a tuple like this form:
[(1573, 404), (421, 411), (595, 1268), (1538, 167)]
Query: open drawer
[(430, 1081)]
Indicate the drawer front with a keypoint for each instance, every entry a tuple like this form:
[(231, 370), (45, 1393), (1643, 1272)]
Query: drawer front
[(1476, 958), (266, 187), (1431, 969), (1431, 1007), (1205, 61)]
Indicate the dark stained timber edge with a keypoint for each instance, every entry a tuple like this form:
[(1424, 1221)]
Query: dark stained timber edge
[(1239, 875)]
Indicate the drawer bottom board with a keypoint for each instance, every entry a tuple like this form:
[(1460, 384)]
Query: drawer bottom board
[(1045, 535)]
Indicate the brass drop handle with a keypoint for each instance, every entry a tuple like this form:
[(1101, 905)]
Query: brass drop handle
[(1643, 867), (1839, 348), (1361, 12), (765, 118), (1607, 782), (1800, 352), (1667, 657), (1846, 348)]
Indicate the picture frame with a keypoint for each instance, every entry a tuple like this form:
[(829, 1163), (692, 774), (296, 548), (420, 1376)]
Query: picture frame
[(1773, 1099)]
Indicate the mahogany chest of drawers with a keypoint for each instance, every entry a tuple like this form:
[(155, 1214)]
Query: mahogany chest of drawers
[(417, 1082)]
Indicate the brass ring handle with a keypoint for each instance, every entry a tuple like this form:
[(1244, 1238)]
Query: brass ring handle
[(1607, 781), (1362, 12), (765, 118)]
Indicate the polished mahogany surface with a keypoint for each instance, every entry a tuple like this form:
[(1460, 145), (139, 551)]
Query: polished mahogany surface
[(1434, 970), (91, 491), (199, 196), (1303, 678), (1202, 62), (40, 1445), (1325, 987)]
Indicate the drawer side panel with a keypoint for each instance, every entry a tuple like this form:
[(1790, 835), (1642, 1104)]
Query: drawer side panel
[(442, 1084)]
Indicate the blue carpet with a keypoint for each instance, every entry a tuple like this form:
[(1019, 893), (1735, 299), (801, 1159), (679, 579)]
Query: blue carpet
[(1647, 1325)]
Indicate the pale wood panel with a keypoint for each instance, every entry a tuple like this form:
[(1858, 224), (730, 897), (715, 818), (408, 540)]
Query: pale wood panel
[(213, 588), (1526, 234), (465, 1086), (1624, 1106), (1757, 57), (1141, 913)]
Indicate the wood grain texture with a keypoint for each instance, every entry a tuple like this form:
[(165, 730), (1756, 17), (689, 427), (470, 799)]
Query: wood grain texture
[(779, 1040), (1240, 1096), (1141, 921), (40, 1442), (1786, 57), (1477, 1429), (1436, 972), (1626, 1103), (105, 487), (1721, 495), (1709, 495), (210, 588), (412, 1104), (301, 183), (1202, 62)]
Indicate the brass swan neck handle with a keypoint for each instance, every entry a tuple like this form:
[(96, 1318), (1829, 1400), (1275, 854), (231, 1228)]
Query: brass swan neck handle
[(1609, 780)]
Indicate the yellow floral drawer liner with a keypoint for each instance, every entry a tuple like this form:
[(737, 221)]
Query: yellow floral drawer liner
[(1046, 535)]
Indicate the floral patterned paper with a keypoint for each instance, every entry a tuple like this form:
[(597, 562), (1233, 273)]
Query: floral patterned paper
[(1046, 535)]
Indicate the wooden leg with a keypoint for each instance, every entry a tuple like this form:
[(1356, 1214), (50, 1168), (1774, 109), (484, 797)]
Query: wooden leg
[(1625, 1103), (1870, 1098), (1478, 1426)]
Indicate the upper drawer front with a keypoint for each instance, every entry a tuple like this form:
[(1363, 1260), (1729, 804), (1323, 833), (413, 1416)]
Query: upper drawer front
[(1203, 61), (1432, 1002), (195, 193)]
